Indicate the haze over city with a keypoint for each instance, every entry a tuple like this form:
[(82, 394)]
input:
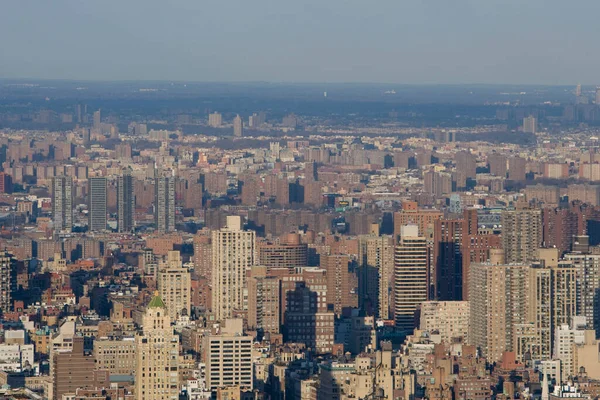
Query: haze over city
[(315, 200), (465, 41)]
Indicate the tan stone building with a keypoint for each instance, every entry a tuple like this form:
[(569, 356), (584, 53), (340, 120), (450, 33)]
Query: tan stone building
[(115, 356), (174, 286), (156, 355)]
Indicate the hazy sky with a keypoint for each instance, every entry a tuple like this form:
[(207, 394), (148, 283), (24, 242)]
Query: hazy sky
[(396, 41)]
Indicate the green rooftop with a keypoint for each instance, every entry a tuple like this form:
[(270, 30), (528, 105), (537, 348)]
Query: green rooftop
[(156, 302)]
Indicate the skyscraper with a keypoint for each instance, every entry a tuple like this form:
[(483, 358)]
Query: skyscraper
[(125, 202), (410, 276), (62, 203), (338, 281), (157, 355), (498, 301), (376, 262), (238, 126), (97, 204), (97, 119), (587, 268), (521, 234), (264, 301), (164, 204), (447, 282), (233, 251)]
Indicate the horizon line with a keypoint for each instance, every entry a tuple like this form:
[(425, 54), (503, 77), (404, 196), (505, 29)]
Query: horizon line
[(265, 82)]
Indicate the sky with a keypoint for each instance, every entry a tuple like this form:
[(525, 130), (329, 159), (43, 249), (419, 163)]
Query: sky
[(551, 42)]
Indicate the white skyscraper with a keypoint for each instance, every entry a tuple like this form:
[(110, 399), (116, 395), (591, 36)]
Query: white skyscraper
[(410, 276)]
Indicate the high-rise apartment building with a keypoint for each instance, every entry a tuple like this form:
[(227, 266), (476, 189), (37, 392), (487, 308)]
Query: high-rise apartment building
[(466, 168), (498, 164), (566, 338), (157, 355), (376, 274), (338, 282), (97, 119), (97, 204), (6, 185), (238, 126), (587, 268), (233, 252), (164, 204), (530, 124), (174, 286), (125, 202), (8, 283), (498, 301), (446, 282), (215, 120), (521, 234), (564, 294), (307, 319), (203, 255), (411, 259), (62, 203), (228, 357), (533, 337), (517, 168), (264, 301)]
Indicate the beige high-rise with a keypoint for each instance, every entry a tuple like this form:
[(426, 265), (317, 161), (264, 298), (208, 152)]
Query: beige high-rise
[(233, 252), (410, 276), (498, 298), (521, 234), (157, 356), (376, 258), (174, 286)]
